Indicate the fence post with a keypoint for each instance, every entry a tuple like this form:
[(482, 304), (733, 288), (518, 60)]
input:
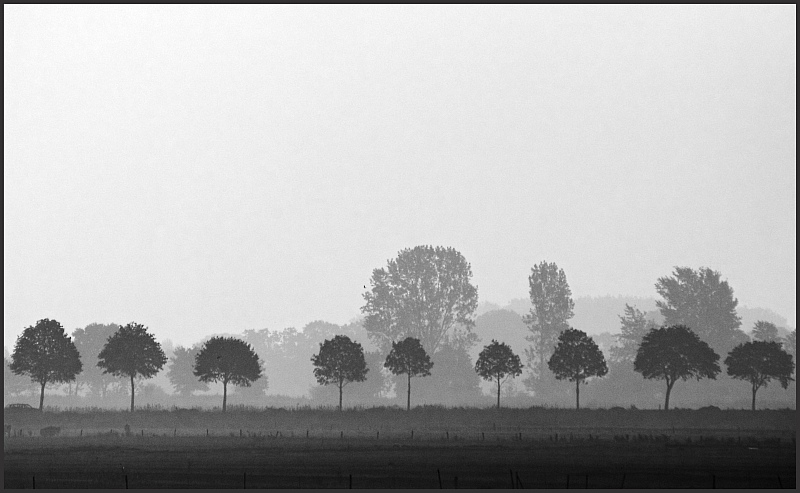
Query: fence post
[(439, 473)]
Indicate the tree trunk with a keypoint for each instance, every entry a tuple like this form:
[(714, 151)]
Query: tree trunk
[(41, 397), (132, 391), (498, 392), (408, 401), (340, 395), (669, 389), (224, 394), (577, 394), (755, 389)]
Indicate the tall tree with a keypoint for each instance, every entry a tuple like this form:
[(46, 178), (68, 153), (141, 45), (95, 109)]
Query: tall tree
[(497, 362), (635, 325), (181, 371), (552, 307), (700, 300), (339, 361), (765, 331), (132, 352), (409, 357), (90, 340), (46, 354), (227, 360), (675, 353), (424, 293), (759, 362), (577, 358)]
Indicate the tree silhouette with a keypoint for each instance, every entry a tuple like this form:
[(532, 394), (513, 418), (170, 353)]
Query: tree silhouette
[(497, 362), (765, 331), (227, 360), (409, 357), (424, 293), (130, 352), (181, 371), (46, 354), (339, 361), (552, 306), (759, 362), (790, 344), (700, 300), (673, 353), (577, 358)]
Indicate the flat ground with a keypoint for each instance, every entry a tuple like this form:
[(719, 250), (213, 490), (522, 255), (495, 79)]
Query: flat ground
[(535, 448), (298, 462)]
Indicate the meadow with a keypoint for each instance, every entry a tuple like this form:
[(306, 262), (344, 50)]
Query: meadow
[(390, 447)]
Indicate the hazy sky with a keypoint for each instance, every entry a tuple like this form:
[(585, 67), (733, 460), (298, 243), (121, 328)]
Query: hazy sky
[(213, 169)]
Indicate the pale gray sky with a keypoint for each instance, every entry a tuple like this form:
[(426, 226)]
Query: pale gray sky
[(213, 169)]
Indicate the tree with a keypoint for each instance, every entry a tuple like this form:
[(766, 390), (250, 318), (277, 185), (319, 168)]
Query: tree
[(130, 352), (409, 357), (577, 358), (552, 306), (227, 360), (181, 371), (46, 354), (497, 362), (759, 362), (424, 294), (339, 361), (673, 353), (790, 344), (700, 300), (90, 341), (765, 331), (257, 390), (635, 325)]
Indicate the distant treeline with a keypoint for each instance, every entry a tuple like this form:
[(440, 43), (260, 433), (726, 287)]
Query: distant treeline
[(426, 294)]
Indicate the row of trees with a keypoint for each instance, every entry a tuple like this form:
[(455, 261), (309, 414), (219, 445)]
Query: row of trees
[(426, 294)]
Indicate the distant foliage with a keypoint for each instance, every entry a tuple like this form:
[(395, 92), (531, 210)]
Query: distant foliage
[(90, 341), (227, 360), (339, 362), (132, 352), (759, 362), (552, 307), (577, 358), (181, 371), (424, 293), (765, 331), (497, 362), (701, 300), (790, 344), (409, 358), (46, 354), (635, 325), (675, 353)]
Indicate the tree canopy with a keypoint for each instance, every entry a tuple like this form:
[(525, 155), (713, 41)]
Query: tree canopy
[(130, 352), (577, 358), (410, 358), (552, 307), (90, 341), (634, 326), (181, 371), (498, 362), (765, 331), (46, 354), (759, 362), (675, 353), (227, 360), (339, 361), (424, 293), (699, 299)]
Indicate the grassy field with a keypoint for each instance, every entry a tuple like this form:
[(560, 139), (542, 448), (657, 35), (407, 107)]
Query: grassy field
[(383, 448)]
